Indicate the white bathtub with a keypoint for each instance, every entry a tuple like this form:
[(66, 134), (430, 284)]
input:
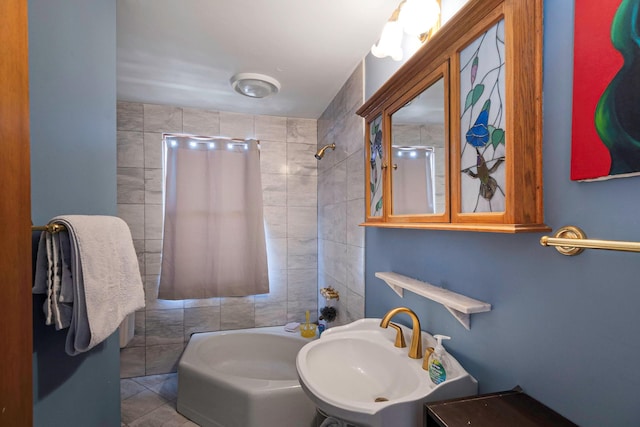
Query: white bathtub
[(243, 378)]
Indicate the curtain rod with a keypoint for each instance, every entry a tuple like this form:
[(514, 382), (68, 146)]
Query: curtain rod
[(208, 138)]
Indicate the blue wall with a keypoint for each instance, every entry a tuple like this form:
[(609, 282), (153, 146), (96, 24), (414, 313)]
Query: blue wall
[(72, 73), (563, 328)]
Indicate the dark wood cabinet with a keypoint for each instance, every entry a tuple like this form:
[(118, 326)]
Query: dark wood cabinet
[(504, 409)]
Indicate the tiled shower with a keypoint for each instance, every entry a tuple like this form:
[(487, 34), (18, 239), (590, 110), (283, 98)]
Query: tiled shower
[(289, 180), (341, 200), (312, 210)]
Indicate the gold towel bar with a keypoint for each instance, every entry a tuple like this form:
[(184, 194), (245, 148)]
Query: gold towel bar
[(571, 240), (50, 228)]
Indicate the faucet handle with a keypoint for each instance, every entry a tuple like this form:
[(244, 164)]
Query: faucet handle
[(400, 343), (425, 361)]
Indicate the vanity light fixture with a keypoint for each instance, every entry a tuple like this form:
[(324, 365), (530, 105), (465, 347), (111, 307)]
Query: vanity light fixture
[(418, 16), (414, 17), (254, 85), (390, 43)]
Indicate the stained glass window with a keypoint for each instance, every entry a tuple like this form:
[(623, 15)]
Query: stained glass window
[(482, 123), (375, 160)]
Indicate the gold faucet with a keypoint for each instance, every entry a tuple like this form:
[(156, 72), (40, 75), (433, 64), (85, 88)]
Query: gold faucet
[(415, 350), (425, 361), (399, 336)]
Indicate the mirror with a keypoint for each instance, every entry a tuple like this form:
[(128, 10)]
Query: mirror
[(418, 142)]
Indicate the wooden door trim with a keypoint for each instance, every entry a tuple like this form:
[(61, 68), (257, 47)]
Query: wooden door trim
[(16, 388)]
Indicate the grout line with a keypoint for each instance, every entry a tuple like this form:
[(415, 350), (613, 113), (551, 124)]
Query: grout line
[(146, 388)]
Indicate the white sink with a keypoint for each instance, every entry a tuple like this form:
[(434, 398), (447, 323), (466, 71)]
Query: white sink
[(355, 374)]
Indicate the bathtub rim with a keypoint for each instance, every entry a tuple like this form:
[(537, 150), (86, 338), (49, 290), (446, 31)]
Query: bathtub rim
[(191, 361), (277, 330)]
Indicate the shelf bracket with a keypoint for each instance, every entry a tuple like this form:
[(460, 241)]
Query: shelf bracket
[(397, 289), (463, 318), (460, 306)]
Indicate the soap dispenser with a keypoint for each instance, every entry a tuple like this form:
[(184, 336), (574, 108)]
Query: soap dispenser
[(438, 364)]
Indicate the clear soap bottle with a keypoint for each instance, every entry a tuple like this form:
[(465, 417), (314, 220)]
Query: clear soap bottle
[(438, 364)]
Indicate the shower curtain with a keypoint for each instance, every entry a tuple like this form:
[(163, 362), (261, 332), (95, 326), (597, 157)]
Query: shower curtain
[(214, 241), (413, 180)]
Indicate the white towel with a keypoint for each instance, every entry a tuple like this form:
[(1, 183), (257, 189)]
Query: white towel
[(292, 327), (101, 284)]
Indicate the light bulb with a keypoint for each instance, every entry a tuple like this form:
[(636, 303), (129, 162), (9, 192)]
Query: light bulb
[(390, 42), (418, 16)]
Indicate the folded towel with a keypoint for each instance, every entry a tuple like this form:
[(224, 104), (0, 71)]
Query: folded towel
[(42, 265), (50, 295), (66, 282), (64, 296), (62, 310), (52, 280), (42, 279), (54, 244), (92, 279), (291, 327)]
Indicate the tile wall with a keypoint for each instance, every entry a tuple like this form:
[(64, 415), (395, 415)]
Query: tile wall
[(289, 181), (341, 200)]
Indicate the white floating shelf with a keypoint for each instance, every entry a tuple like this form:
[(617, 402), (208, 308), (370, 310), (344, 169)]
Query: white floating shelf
[(459, 305)]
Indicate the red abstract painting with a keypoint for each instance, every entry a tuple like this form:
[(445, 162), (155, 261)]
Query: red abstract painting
[(606, 110)]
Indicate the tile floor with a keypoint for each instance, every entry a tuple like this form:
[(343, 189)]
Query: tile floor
[(151, 402)]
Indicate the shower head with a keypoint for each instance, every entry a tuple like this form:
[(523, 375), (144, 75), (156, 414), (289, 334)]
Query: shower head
[(320, 153)]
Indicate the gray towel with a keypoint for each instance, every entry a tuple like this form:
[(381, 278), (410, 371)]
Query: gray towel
[(42, 265), (66, 285), (53, 278), (62, 310), (92, 278)]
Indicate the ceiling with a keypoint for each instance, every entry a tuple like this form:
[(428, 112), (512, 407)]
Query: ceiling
[(184, 52)]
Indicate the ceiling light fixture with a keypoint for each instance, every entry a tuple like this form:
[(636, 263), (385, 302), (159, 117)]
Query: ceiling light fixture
[(254, 85)]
